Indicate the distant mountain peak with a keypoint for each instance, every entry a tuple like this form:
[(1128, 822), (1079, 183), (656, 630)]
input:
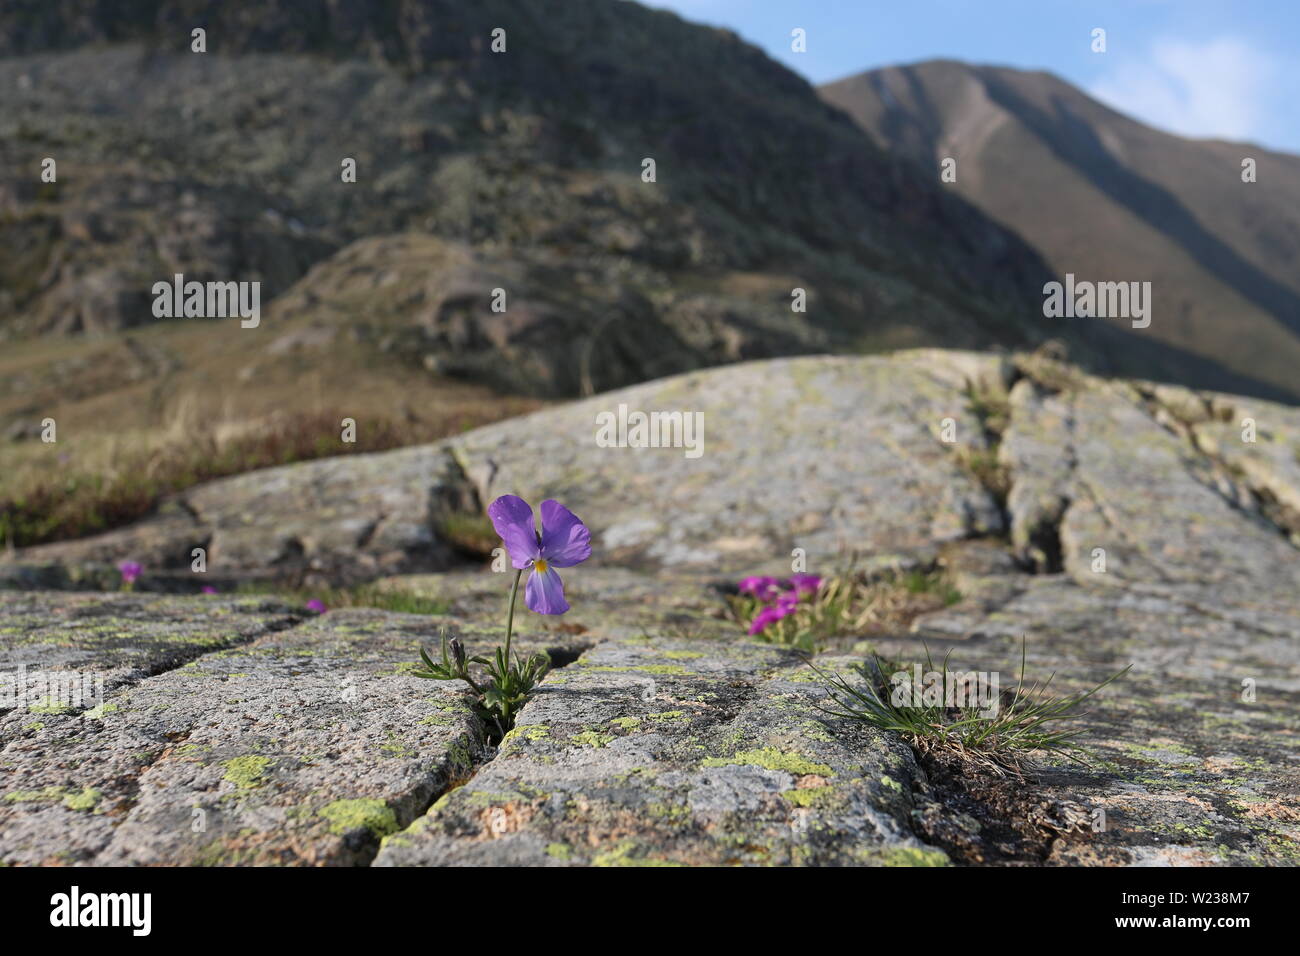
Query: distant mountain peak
[(1102, 196)]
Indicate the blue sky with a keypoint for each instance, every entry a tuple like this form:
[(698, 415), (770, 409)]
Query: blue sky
[(1213, 68)]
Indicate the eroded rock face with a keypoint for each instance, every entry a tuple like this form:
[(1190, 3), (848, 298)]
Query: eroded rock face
[(667, 737), (1130, 502)]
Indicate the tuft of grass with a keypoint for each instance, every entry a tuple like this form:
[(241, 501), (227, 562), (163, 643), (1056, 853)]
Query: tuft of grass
[(852, 605), (991, 406), (1048, 368), (984, 466), (1020, 724)]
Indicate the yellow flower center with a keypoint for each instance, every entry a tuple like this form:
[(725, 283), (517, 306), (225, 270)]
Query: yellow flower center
[(540, 565)]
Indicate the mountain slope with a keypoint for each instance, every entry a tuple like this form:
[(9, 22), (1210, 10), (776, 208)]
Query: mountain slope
[(541, 145), (1106, 198), (225, 165)]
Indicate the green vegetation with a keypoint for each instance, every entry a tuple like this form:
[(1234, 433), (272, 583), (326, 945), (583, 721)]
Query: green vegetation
[(500, 690), (982, 464), (361, 813), (991, 406), (851, 605), (1048, 369), (996, 735)]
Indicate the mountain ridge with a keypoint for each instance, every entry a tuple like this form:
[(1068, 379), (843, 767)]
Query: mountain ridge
[(1095, 191)]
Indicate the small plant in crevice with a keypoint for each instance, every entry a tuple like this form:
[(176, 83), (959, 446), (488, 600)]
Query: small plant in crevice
[(1048, 367), (805, 611), (991, 406), (505, 683), (961, 715), (989, 472), (500, 691)]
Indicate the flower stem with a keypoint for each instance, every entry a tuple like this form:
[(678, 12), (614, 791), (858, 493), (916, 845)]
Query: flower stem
[(510, 618)]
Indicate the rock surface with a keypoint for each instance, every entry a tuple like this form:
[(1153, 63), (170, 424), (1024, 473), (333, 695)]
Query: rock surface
[(661, 752), (244, 730), (793, 453)]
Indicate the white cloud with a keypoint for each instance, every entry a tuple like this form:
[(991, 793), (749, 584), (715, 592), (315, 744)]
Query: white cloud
[(1213, 89)]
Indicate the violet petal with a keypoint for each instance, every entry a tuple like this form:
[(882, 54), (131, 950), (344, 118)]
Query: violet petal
[(545, 592), (565, 539), (513, 520)]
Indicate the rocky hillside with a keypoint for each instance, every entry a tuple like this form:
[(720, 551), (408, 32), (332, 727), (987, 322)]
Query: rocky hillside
[(479, 170), (1102, 196), (665, 736)]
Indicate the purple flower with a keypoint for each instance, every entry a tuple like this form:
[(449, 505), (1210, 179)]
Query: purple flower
[(763, 588), (563, 542), (770, 615), (209, 589), (130, 571), (805, 583), (317, 605)]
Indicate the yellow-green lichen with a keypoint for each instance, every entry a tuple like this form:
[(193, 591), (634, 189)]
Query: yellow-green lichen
[(361, 812), (394, 746), (590, 738), (30, 796), (913, 856), (51, 709), (97, 713), (809, 796), (671, 813), (85, 800), (621, 855), (246, 772), (527, 732), (772, 759)]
